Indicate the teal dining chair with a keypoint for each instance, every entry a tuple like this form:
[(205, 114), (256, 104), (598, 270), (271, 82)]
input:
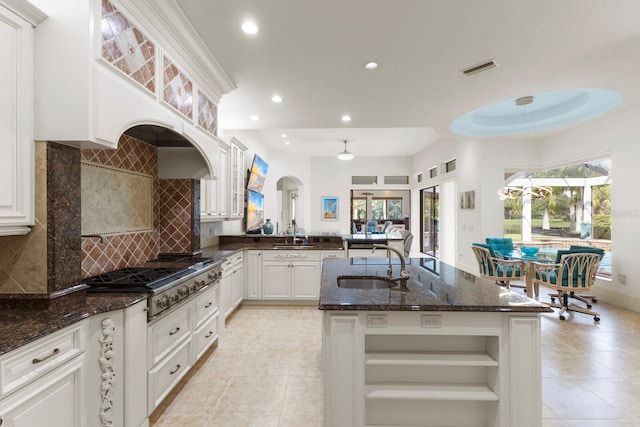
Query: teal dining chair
[(574, 273), (585, 297), (496, 268), (501, 246)]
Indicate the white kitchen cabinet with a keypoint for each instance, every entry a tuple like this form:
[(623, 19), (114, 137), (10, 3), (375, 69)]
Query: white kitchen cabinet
[(209, 199), (42, 382), (177, 340), (291, 275), (232, 284), (223, 181), (116, 377), (16, 117), (253, 275), (305, 283), (276, 282), (237, 281), (214, 191), (168, 353), (237, 178), (54, 400), (388, 368)]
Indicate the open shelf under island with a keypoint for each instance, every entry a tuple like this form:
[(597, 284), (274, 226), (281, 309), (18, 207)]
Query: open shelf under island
[(452, 349)]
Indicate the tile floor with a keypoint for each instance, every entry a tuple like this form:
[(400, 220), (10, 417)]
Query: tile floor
[(268, 372)]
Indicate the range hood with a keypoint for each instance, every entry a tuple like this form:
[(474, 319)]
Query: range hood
[(177, 157)]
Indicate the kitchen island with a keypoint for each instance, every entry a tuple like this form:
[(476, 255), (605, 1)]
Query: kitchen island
[(449, 349)]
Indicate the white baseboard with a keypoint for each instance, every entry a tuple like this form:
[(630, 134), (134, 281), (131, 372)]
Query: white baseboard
[(630, 302)]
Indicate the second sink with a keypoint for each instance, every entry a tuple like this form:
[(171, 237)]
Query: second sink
[(359, 282)]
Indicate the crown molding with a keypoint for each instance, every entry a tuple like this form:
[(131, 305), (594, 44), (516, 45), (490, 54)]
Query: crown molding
[(25, 10), (175, 34)]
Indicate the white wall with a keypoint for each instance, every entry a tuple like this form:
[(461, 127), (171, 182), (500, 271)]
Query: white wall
[(481, 165), (332, 177), (616, 134)]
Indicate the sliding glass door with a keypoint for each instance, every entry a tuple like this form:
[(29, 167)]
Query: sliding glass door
[(430, 201)]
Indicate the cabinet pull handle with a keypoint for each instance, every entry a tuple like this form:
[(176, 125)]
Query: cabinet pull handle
[(175, 370), (209, 334), (42, 359), (209, 304), (175, 331)]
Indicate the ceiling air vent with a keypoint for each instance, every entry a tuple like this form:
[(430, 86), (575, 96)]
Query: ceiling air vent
[(480, 67)]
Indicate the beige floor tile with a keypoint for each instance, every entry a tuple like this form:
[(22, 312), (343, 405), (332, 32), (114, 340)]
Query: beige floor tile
[(267, 371), (242, 420), (257, 394)]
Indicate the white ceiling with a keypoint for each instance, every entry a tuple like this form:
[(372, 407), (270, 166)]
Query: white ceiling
[(312, 52)]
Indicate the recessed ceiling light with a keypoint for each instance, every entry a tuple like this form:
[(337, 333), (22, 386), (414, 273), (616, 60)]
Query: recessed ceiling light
[(371, 65), (287, 143), (255, 118), (276, 98), (249, 27), (346, 118), (284, 135)]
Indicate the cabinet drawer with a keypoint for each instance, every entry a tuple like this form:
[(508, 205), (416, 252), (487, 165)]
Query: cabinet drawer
[(232, 261), (165, 334), (333, 253), (35, 359), (166, 375), (207, 304), (204, 336), (295, 255)]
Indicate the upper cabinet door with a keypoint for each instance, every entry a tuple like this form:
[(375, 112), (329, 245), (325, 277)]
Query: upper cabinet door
[(16, 124)]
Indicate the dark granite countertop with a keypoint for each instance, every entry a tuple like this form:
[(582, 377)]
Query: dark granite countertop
[(26, 321), (434, 286)]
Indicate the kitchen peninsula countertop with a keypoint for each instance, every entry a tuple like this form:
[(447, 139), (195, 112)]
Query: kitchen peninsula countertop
[(433, 286), (23, 323)]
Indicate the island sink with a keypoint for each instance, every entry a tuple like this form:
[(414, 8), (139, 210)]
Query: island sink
[(357, 282)]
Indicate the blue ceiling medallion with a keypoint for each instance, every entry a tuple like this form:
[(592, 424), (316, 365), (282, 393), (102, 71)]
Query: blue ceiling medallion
[(546, 110)]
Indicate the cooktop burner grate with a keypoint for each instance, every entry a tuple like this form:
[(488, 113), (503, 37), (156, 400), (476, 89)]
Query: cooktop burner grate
[(136, 277)]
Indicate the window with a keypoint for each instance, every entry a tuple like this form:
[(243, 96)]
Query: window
[(359, 208), (450, 166), (386, 208), (419, 177), (560, 207), (433, 172), (364, 180), (398, 180)]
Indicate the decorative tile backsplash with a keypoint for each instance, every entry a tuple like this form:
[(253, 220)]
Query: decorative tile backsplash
[(137, 160), (175, 222), (207, 114), (177, 89), (116, 200), (115, 252), (47, 259), (132, 155), (124, 46)]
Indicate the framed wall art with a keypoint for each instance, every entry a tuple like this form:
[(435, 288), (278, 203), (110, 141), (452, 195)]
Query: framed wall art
[(468, 200), (329, 208)]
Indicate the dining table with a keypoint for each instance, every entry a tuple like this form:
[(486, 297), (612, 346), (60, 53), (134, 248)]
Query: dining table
[(547, 255)]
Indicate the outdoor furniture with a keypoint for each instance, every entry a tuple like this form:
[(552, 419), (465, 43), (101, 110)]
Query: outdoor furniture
[(501, 246), (498, 269), (574, 273)]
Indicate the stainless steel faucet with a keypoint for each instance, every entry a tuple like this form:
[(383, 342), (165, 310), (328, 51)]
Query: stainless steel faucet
[(295, 240), (404, 274)]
